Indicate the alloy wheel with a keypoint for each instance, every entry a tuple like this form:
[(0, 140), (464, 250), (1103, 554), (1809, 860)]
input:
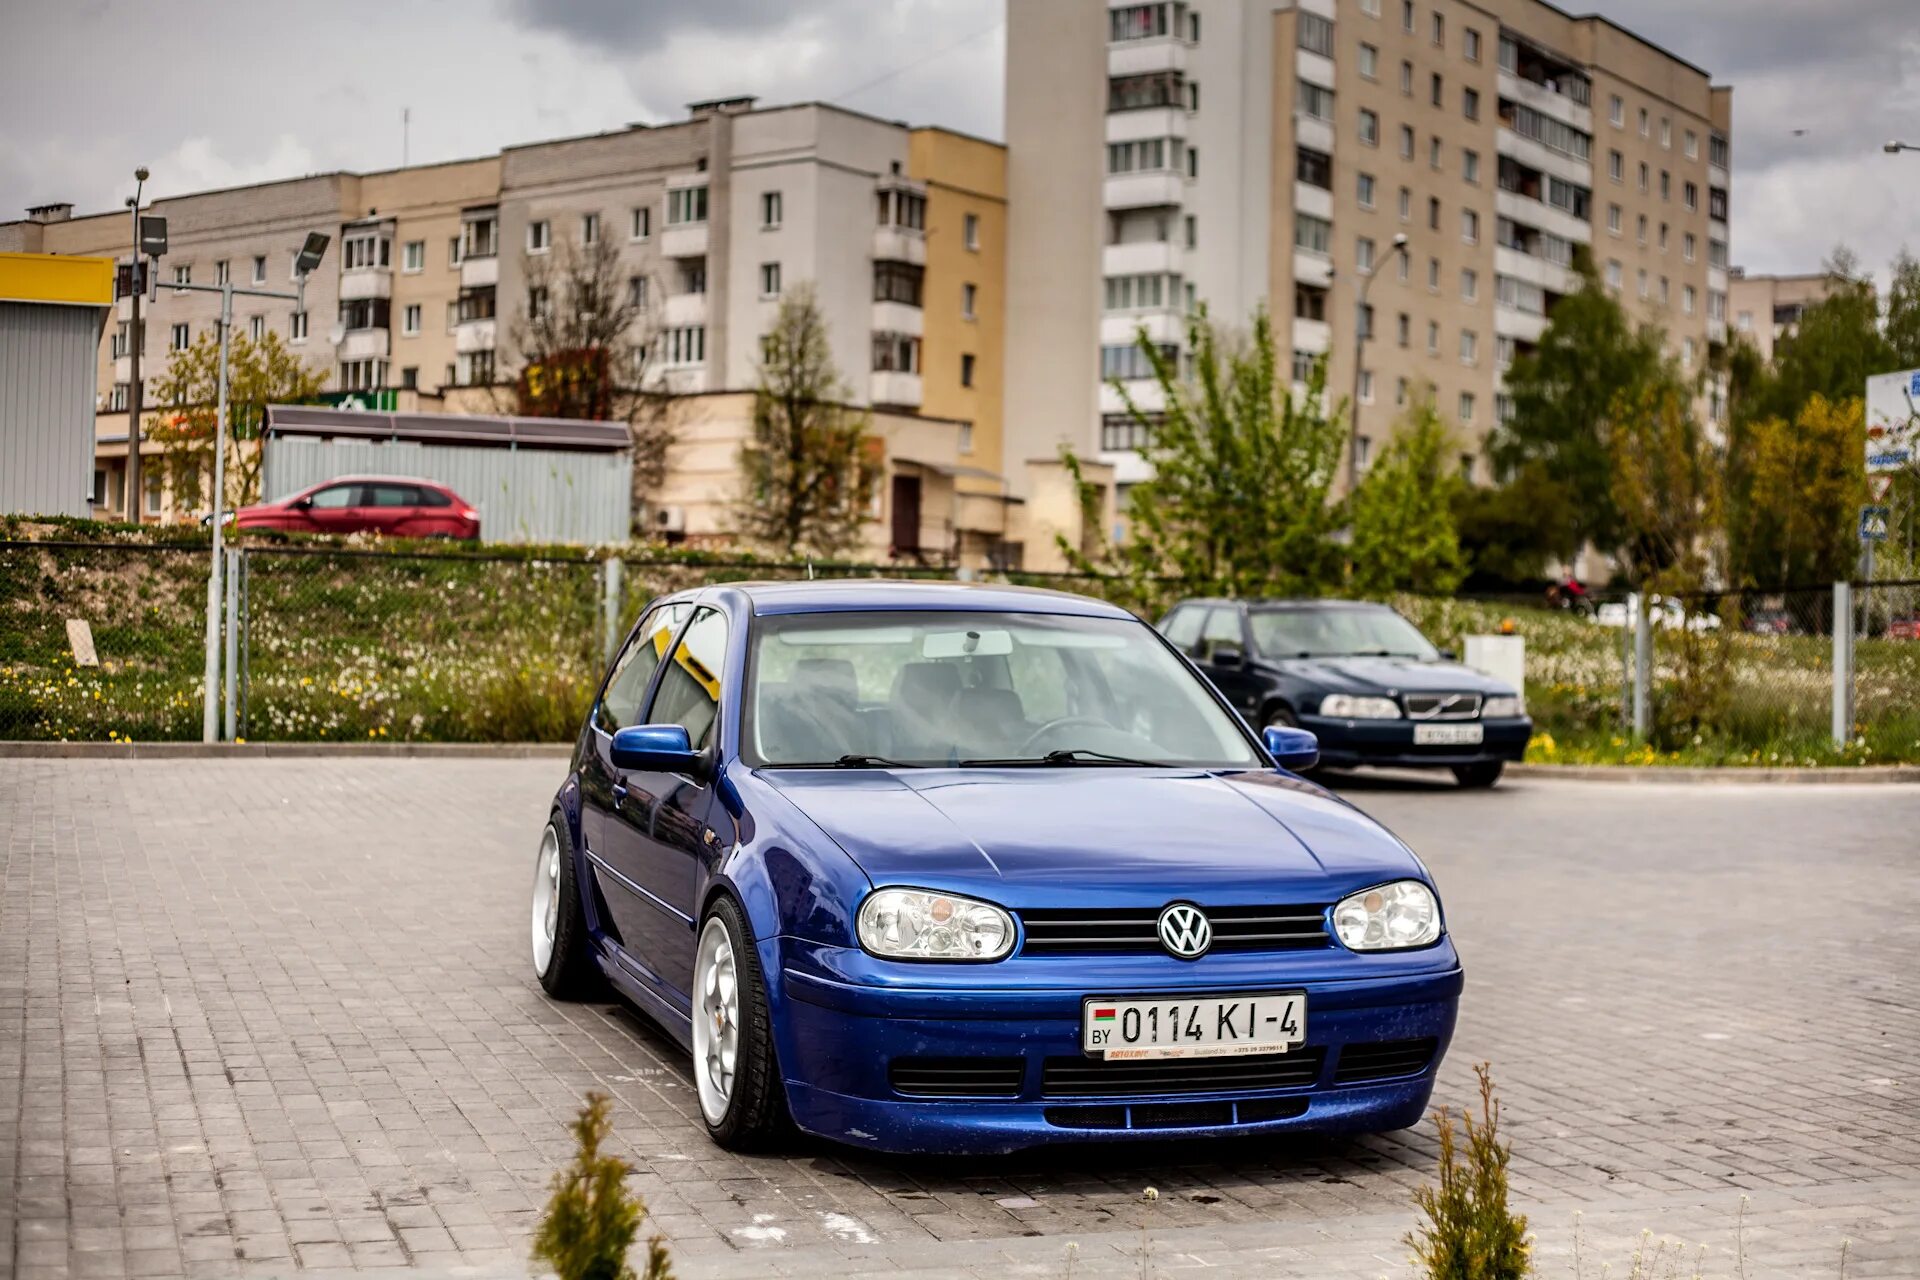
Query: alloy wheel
[(716, 1019), (546, 899)]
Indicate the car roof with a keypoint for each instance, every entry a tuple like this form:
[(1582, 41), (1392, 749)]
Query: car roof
[(846, 594), (1281, 602), (431, 484)]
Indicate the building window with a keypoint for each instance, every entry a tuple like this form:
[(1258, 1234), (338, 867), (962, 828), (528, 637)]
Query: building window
[(1406, 79), (453, 315), (642, 224), (966, 369), (1362, 451), (410, 378), (1403, 329), (1369, 62), (410, 320), (901, 208), (1666, 185), (1470, 103), (687, 205), (896, 353), (1406, 142), (686, 344), (1690, 195), (1370, 7), (1141, 292), (969, 294), (1469, 346), (771, 208), (1687, 243), (539, 302), (1309, 303), (1645, 127), (362, 375), (259, 268), (117, 401), (970, 231), (1365, 190), (1363, 255), (1435, 153), (1366, 386), (183, 274), (483, 239), (1138, 22), (1470, 226), (898, 282), (539, 236), (1717, 150), (1439, 90), (1613, 218), (1315, 235), (1129, 363), (297, 327), (1666, 134), (1315, 168), (1663, 237), (1466, 414), (182, 338), (1642, 284), (1470, 45), (1686, 300), (1439, 28), (1613, 273), (151, 481), (1616, 111), (222, 271), (413, 257), (637, 292), (1433, 338), (1717, 203), (1692, 145), (693, 275), (1469, 284), (1717, 253), (1193, 161), (769, 279), (1142, 155), (1433, 275), (453, 251), (1192, 224), (1303, 362), (1406, 16), (1665, 296), (364, 252), (1645, 173), (1406, 204), (589, 228), (1520, 295), (1470, 166), (256, 328), (1640, 229), (1143, 92), (1315, 33), (1315, 100), (1433, 213), (1616, 166), (1504, 349)]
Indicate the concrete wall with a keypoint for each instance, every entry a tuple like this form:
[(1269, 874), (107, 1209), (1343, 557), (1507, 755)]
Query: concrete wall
[(46, 407)]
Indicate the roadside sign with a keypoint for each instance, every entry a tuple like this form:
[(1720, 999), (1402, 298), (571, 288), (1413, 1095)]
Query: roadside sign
[(1873, 523), (1893, 420), (1879, 485)]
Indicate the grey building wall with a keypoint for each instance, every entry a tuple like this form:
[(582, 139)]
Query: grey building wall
[(47, 355)]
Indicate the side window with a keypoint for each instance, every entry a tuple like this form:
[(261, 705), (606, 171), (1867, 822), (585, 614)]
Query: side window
[(434, 498), (1222, 631), (335, 497), (689, 692), (635, 666), (391, 495), (1183, 628)]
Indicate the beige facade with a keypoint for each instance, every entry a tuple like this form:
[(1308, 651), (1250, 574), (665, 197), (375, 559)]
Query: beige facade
[(1293, 145), (1765, 309)]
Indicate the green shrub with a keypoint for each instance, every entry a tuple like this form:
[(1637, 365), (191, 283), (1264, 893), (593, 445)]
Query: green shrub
[(592, 1219), (1470, 1234)]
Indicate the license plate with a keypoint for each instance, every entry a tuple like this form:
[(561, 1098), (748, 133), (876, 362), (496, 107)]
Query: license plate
[(1448, 735), (1124, 1029)]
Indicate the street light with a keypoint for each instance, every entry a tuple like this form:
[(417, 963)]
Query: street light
[(304, 262), (134, 340), (1361, 332), (1894, 147)]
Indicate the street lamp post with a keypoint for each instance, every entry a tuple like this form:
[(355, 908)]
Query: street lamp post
[(134, 344), (1894, 147), (309, 258), (1361, 332)]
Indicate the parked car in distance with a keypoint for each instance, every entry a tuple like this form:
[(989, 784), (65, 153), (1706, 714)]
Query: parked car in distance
[(1907, 628), (1663, 613), (395, 506), (931, 867), (1361, 677), (1769, 622)]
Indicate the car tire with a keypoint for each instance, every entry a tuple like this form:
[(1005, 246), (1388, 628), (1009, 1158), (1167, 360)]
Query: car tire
[(746, 1110), (562, 958), (1479, 776)]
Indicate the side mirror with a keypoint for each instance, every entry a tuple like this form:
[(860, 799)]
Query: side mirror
[(655, 748), (1227, 655), (1292, 749), (301, 504)]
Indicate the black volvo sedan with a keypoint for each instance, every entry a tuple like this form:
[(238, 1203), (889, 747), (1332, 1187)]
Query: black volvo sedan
[(1361, 677)]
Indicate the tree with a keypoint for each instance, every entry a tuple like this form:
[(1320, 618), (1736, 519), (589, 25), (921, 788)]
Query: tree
[(811, 468), (592, 1218), (258, 374), (1241, 471), (1903, 312), (1506, 530), (584, 339), (1469, 1232), (1833, 348), (1802, 484), (1562, 393), (1402, 513)]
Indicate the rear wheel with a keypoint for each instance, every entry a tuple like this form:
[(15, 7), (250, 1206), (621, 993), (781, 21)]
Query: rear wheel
[(559, 924), (1481, 775), (742, 1098)]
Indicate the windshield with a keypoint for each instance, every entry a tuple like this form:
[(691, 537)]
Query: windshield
[(1345, 632), (940, 688)]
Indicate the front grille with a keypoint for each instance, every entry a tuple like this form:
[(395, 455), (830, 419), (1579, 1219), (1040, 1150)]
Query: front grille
[(1093, 1078), (1442, 706), (1135, 930), (1383, 1060), (957, 1077), (1177, 1115)]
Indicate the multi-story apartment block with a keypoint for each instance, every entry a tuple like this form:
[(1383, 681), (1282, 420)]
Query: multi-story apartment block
[(1765, 309), (713, 219), (1237, 153)]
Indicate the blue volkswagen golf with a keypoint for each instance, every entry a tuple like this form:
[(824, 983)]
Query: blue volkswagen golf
[(942, 868)]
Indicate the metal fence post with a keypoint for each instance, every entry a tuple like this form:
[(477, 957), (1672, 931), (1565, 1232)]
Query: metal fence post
[(1842, 662), (610, 596), (1642, 665), (233, 638)]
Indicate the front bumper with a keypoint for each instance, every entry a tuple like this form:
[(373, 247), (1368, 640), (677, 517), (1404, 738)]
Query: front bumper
[(838, 1041), (1345, 743)]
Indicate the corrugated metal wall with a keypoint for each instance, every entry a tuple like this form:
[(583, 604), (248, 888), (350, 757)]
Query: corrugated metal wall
[(522, 495), (47, 360)]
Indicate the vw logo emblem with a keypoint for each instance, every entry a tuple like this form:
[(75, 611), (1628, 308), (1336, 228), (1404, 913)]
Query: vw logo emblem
[(1185, 931)]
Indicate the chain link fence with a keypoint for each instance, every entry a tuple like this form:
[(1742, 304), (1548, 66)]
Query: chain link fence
[(346, 644)]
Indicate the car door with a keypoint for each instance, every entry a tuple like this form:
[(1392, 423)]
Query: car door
[(603, 788), (656, 834), (333, 509), (389, 508), (1224, 632)]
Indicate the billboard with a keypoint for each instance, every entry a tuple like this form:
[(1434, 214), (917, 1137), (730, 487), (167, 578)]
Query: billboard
[(1893, 420)]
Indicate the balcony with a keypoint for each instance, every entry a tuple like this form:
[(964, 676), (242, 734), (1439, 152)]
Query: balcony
[(1312, 268), (890, 388), (479, 273), (365, 344), (1308, 198), (1522, 266), (1148, 122), (474, 335), (123, 369), (1163, 325), (1538, 213), (1521, 326), (366, 282), (684, 240), (1312, 132), (1145, 392), (1314, 68), (1315, 336), (684, 309), (1547, 102), (1155, 53), (1543, 158), (900, 244), (899, 317), (1144, 190), (1146, 257)]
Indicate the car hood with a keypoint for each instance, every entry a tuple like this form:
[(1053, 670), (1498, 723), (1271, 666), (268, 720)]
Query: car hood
[(1392, 675), (1104, 835)]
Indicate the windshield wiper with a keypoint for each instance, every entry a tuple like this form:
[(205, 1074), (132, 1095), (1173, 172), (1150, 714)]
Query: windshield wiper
[(1071, 755), (854, 760)]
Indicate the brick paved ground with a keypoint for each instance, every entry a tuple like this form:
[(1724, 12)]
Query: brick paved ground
[(274, 1014)]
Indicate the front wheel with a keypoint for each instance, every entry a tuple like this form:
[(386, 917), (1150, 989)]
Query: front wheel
[(741, 1096), (1479, 776), (559, 922)]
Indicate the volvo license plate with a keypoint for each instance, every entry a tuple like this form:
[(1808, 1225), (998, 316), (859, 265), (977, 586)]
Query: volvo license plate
[(1448, 735), (1124, 1028)]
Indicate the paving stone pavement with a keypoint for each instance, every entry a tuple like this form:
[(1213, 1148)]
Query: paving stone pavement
[(260, 1016)]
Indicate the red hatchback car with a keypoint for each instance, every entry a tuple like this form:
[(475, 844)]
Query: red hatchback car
[(394, 506)]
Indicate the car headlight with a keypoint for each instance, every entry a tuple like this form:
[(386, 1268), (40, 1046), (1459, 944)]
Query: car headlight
[(1502, 705), (1355, 707), (1390, 917), (919, 924)]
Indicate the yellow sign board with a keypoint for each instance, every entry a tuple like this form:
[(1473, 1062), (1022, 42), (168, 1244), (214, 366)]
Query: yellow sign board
[(47, 277)]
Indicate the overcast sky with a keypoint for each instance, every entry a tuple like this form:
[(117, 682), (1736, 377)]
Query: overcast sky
[(222, 92)]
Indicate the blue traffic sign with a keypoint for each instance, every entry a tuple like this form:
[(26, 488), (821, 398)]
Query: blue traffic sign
[(1873, 523)]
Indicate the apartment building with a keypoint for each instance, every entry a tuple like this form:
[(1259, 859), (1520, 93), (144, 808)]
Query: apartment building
[(1237, 153), (713, 218), (1765, 309)]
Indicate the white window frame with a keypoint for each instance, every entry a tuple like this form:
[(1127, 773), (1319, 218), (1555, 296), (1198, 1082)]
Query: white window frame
[(589, 228), (769, 280), (640, 223), (297, 327), (180, 338), (259, 268), (410, 320), (969, 297), (413, 257), (970, 231), (772, 210), (539, 236)]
